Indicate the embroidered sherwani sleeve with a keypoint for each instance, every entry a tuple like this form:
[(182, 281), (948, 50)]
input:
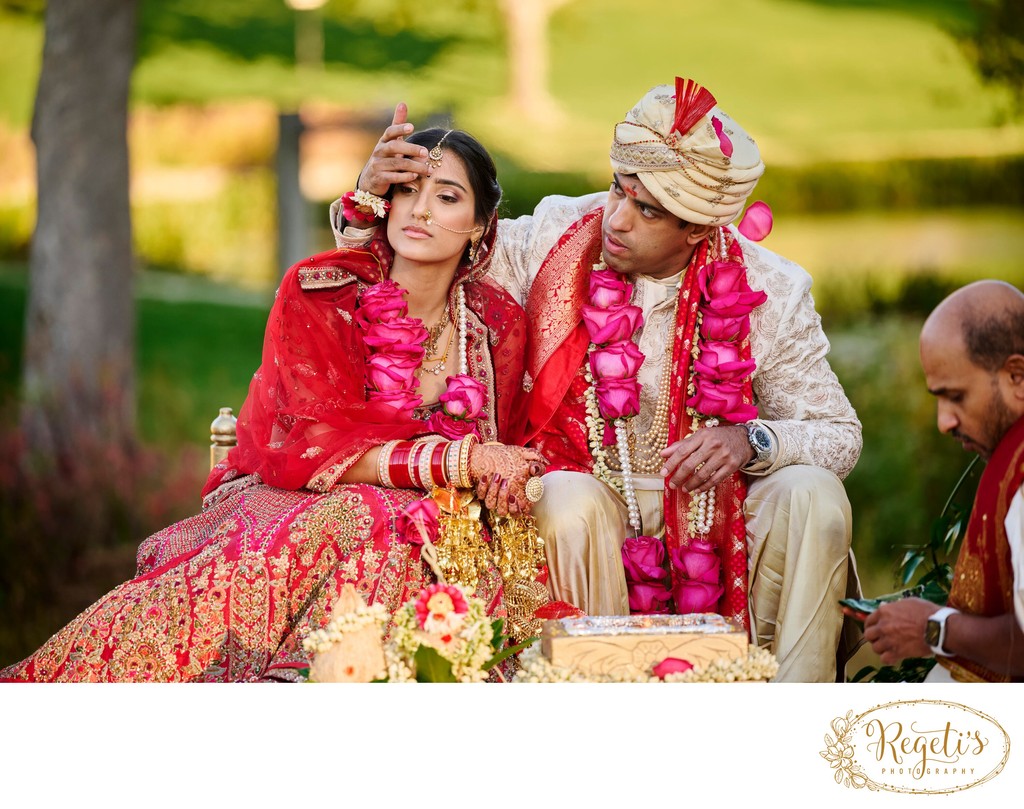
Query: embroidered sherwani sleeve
[(798, 395)]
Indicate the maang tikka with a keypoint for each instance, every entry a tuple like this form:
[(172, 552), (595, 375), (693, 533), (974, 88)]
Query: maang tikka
[(436, 154)]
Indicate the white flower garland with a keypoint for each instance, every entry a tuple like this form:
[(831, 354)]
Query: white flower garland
[(320, 640), (759, 665)]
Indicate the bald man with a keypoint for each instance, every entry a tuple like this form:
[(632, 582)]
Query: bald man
[(972, 352)]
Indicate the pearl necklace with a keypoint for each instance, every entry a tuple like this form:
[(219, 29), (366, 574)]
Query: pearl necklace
[(646, 452), (463, 342)]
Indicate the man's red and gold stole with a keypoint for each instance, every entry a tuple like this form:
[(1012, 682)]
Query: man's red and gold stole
[(983, 576)]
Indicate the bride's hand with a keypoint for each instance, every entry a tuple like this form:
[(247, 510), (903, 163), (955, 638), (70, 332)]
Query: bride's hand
[(393, 160), (500, 473)]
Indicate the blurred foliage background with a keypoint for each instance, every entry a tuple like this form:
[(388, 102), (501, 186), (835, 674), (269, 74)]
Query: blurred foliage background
[(896, 173)]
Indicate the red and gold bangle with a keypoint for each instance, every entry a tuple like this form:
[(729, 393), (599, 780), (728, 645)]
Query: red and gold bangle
[(383, 459), (414, 464), (398, 465), (438, 469)]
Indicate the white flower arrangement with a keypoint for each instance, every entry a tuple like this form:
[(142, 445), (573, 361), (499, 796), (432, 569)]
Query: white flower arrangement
[(443, 634), (460, 631)]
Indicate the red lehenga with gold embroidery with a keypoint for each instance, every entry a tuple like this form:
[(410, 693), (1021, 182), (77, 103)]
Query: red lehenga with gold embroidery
[(229, 594)]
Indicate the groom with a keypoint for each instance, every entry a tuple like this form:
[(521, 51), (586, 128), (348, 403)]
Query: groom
[(647, 313)]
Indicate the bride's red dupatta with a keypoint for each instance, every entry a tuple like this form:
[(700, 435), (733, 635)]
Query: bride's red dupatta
[(306, 419)]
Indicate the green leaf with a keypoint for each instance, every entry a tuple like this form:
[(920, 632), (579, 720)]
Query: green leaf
[(910, 568), (431, 667), (497, 637), (304, 673), (506, 653)]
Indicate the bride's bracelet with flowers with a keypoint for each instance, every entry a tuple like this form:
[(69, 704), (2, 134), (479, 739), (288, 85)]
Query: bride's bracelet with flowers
[(361, 208)]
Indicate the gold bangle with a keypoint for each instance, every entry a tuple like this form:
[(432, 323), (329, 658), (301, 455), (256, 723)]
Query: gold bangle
[(454, 450), (426, 478), (465, 481)]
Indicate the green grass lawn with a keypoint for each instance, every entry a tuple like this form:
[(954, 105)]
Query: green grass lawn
[(198, 345)]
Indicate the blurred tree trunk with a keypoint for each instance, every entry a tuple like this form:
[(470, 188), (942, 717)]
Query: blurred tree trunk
[(527, 24), (78, 386)]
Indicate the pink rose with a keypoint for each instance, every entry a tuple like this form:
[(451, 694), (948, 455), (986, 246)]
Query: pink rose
[(404, 401), (723, 399), (617, 398), (756, 223), (671, 665), (451, 428), (724, 142), (696, 596), (734, 304), (643, 558), (648, 598), (418, 520), (387, 373), (611, 325), (699, 562), (464, 397), (381, 303), (608, 288), (646, 578), (722, 277), (721, 361), (715, 327), (400, 335), (616, 361)]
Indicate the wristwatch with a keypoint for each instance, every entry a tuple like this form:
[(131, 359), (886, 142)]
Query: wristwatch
[(761, 440), (935, 631)]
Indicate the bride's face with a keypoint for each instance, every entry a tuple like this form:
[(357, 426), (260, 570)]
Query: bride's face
[(425, 212)]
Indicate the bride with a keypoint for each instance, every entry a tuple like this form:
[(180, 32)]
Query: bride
[(386, 372)]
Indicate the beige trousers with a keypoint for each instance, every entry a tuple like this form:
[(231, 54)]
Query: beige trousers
[(799, 529)]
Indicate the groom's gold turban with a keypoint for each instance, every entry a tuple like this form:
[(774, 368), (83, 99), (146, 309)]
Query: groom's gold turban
[(696, 160)]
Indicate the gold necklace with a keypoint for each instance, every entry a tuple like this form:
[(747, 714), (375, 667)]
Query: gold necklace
[(434, 334), (442, 357)]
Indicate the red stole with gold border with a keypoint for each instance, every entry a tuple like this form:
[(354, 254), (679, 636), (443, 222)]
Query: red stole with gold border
[(983, 576)]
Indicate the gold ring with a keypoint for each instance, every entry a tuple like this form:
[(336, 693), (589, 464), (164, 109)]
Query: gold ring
[(534, 489)]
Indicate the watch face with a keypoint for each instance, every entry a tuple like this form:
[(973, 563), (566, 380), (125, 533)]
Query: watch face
[(931, 633), (760, 439)]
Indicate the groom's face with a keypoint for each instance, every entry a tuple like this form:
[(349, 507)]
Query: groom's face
[(639, 236)]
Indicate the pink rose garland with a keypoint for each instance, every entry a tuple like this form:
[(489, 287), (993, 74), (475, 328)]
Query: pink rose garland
[(611, 321), (718, 372), (395, 345), (700, 570), (647, 578)]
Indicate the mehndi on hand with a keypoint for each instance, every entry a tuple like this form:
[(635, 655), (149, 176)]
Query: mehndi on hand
[(500, 473)]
